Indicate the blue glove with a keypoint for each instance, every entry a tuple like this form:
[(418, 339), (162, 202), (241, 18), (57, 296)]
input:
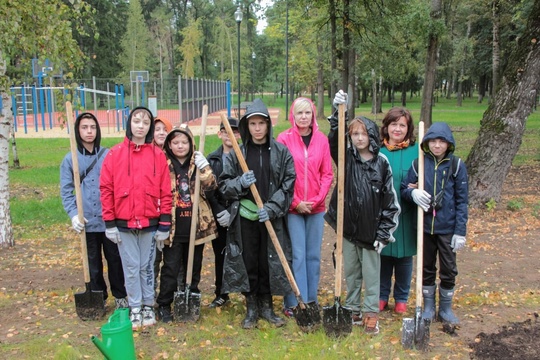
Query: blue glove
[(247, 179), (223, 218), (263, 215), (458, 242), (114, 235)]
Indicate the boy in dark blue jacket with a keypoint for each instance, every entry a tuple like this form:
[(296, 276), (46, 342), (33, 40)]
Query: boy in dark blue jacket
[(444, 202)]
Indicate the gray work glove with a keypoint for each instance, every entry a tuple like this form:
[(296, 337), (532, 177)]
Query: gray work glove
[(421, 198), (247, 179), (114, 235), (458, 242), (340, 98), (77, 225), (200, 160), (223, 218), (263, 215), (160, 237), (379, 246)]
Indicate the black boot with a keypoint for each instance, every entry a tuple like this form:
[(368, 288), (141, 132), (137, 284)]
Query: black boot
[(252, 312), (266, 310)]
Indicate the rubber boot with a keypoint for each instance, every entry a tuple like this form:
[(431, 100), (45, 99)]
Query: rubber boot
[(252, 312), (428, 293), (446, 315), (266, 310)]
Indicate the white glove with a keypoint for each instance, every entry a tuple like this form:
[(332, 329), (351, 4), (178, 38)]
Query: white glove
[(76, 224), (458, 242), (200, 160), (114, 235), (160, 237), (223, 218), (379, 245), (340, 98), (421, 198), (247, 179)]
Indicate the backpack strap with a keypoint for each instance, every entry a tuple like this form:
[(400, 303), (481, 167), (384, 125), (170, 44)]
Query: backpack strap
[(89, 168)]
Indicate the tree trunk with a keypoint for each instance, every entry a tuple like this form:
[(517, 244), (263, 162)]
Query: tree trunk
[(431, 66), (503, 124), (374, 92), (347, 48), (6, 228), (496, 49), (333, 45), (351, 89)]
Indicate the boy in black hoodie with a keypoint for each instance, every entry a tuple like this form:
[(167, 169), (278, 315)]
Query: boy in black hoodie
[(250, 257)]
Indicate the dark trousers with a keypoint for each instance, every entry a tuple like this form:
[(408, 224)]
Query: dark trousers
[(218, 245), (95, 242), (439, 245), (255, 256), (174, 258)]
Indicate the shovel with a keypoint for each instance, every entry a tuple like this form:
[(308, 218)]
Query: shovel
[(337, 320), (415, 332), (307, 316), (187, 305), (89, 304)]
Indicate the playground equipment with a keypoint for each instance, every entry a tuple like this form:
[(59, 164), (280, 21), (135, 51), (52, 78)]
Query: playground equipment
[(138, 78)]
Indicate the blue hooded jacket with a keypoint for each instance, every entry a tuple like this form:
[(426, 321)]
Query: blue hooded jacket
[(452, 216)]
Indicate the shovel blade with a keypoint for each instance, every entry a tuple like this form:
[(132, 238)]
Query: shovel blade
[(337, 320), (187, 306), (307, 318), (90, 305), (415, 333)]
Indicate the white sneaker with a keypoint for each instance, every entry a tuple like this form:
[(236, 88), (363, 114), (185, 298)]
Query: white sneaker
[(136, 318), (148, 316)]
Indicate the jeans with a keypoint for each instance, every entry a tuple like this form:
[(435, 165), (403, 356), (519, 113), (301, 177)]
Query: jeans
[(401, 268), (306, 233)]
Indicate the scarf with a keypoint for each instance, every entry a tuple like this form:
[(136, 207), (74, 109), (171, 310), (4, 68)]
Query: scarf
[(402, 145)]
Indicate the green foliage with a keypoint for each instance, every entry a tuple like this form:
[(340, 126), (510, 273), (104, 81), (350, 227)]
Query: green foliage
[(191, 47), (536, 210), (491, 204), (515, 204), (136, 50)]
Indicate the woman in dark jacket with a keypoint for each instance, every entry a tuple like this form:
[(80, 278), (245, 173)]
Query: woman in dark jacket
[(251, 264)]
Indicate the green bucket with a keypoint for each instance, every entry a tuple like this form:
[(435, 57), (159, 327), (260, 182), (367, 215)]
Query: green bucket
[(117, 337)]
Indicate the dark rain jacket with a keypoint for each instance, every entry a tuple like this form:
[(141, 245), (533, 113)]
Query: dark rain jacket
[(371, 209), (281, 187), (452, 217)]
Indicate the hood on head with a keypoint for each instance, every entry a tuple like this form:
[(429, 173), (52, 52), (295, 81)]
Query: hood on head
[(166, 122), (373, 133), (183, 129), (257, 107), (314, 124), (97, 141), (150, 135), (439, 130)]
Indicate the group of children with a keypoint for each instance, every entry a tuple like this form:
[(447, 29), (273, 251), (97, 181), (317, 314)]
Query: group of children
[(138, 199)]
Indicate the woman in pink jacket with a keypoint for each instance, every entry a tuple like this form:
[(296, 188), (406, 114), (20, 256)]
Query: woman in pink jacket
[(312, 162)]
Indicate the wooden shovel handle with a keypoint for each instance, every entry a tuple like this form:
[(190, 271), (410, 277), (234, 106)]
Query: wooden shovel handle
[(77, 182), (195, 201), (420, 220), (340, 197), (260, 205)]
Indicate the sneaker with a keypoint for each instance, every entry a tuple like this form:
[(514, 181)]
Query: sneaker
[(121, 303), (164, 313), (357, 319), (288, 312), (400, 308), (219, 301), (383, 305), (148, 316), (371, 324), (136, 318)]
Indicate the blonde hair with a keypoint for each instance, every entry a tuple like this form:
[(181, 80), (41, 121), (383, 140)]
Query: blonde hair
[(355, 123), (301, 104)]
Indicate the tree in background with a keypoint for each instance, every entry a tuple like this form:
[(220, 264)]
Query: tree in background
[(135, 43), (26, 30), (503, 124)]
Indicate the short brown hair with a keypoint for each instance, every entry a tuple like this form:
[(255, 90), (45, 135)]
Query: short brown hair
[(394, 114)]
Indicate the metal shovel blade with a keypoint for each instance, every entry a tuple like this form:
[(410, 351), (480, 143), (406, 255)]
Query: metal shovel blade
[(90, 305), (308, 316), (415, 332), (337, 320), (187, 306)]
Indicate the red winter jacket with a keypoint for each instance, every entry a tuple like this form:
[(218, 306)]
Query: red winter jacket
[(135, 186), (313, 165)]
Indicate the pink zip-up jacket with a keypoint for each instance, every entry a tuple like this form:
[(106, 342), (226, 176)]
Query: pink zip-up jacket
[(313, 164)]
